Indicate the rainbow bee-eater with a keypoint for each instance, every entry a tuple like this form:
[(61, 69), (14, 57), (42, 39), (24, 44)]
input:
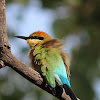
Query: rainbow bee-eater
[(48, 58)]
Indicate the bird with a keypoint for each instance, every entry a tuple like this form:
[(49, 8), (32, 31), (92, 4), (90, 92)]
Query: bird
[(48, 58)]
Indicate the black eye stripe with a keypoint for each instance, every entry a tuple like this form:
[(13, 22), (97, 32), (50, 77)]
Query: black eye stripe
[(41, 38), (36, 37)]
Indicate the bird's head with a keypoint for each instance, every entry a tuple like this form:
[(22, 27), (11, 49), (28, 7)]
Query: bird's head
[(38, 37)]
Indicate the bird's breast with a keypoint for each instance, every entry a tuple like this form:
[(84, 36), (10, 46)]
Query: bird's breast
[(32, 59)]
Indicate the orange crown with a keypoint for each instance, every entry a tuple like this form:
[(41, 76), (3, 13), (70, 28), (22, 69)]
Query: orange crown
[(40, 34)]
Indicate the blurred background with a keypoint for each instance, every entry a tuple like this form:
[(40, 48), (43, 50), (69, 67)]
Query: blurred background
[(77, 22)]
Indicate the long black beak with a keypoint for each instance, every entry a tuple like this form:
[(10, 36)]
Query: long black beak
[(22, 37)]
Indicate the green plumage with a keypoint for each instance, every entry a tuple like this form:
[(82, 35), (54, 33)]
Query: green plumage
[(47, 59)]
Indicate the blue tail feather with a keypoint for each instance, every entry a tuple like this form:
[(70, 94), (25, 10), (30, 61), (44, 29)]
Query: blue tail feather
[(64, 80)]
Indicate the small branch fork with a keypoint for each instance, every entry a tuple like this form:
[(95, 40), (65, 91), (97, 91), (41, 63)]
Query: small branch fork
[(7, 59)]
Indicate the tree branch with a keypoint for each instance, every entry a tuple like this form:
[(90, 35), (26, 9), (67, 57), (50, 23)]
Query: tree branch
[(7, 59), (3, 29)]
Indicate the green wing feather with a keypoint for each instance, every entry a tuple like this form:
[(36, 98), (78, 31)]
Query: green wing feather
[(45, 58)]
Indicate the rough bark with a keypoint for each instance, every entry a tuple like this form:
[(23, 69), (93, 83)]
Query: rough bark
[(7, 59)]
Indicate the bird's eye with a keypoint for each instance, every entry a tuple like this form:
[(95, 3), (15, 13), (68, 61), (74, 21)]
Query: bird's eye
[(36, 37)]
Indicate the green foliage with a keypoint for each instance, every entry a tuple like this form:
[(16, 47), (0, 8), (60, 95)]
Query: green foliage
[(69, 26), (51, 3), (17, 1)]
